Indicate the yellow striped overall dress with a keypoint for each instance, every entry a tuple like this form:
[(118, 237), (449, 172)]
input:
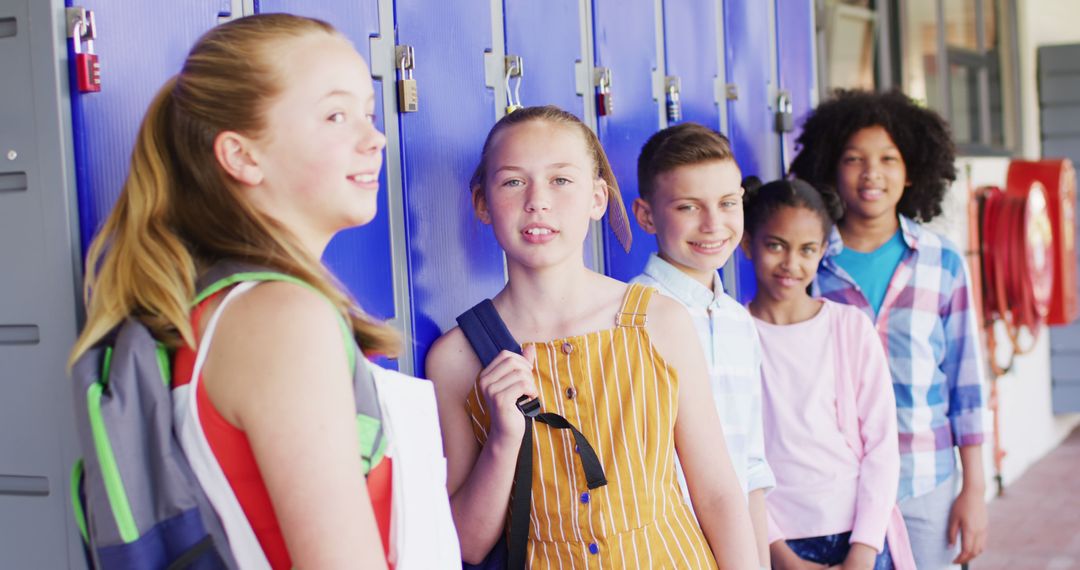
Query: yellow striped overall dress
[(615, 387)]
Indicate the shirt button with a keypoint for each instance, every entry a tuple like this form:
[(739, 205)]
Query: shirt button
[(585, 498), (571, 392), (567, 348), (593, 548)]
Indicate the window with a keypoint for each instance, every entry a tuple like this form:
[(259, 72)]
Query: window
[(952, 55)]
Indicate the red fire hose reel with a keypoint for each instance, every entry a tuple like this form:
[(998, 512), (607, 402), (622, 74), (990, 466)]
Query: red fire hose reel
[(1018, 270), (1028, 256)]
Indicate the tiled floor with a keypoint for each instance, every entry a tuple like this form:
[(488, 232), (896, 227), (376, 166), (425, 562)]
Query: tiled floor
[(1036, 524)]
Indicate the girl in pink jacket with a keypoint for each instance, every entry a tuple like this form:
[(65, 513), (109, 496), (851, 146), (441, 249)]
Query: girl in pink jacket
[(829, 409)]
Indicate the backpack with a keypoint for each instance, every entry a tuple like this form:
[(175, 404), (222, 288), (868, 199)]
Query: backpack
[(136, 500)]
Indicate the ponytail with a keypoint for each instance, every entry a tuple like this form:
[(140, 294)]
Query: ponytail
[(137, 265)]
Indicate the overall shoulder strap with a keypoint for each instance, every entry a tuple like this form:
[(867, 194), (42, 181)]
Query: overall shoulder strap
[(634, 311)]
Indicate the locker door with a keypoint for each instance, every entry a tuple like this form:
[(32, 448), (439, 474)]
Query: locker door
[(552, 39), (797, 64), (454, 260), (547, 35), (141, 44), (363, 258), (749, 60), (625, 33), (691, 46)]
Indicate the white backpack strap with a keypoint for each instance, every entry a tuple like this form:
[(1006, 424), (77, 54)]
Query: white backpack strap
[(243, 543), (208, 334)]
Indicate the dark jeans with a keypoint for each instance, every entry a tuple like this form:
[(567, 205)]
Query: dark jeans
[(833, 549)]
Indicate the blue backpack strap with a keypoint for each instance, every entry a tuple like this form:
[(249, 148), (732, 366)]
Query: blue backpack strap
[(488, 335)]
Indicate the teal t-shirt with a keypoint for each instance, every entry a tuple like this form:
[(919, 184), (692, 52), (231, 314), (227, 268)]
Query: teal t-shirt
[(872, 271)]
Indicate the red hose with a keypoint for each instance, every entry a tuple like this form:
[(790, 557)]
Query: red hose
[(1016, 265)]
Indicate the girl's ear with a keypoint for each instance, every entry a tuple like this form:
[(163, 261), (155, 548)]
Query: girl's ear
[(479, 203), (599, 199), (234, 153), (644, 215), (745, 245)]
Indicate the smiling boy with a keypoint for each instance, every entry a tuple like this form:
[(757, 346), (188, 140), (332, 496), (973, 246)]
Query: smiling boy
[(691, 200)]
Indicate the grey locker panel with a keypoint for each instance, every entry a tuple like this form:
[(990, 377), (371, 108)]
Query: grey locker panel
[(37, 290), (1059, 109)]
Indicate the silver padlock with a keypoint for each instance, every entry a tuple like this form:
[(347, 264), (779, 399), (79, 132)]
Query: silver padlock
[(785, 118)]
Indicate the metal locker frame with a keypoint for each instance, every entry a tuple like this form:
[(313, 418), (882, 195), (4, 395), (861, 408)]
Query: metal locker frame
[(39, 246)]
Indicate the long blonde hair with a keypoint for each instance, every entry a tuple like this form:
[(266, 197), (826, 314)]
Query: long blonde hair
[(179, 211)]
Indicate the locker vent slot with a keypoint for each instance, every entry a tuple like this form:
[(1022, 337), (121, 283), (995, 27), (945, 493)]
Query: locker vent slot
[(19, 334), (7, 27), (12, 181), (23, 485)]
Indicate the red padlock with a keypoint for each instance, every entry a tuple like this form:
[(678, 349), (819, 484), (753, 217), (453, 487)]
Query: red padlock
[(87, 66), (603, 104), (603, 92)]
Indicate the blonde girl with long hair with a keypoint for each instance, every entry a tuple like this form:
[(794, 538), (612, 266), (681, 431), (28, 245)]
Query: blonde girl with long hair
[(258, 152), (608, 357)]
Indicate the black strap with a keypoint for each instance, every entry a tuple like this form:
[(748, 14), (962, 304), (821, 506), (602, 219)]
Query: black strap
[(488, 335), (192, 554)]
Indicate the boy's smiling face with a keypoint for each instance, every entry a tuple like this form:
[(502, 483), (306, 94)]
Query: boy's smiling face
[(697, 216), (871, 175)]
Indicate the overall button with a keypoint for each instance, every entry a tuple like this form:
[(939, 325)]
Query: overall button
[(585, 498), (593, 548), (571, 392), (567, 348)]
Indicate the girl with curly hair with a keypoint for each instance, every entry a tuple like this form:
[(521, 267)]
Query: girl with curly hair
[(891, 162)]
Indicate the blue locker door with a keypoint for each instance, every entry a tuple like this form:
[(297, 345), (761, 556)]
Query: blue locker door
[(454, 260), (625, 40), (690, 53), (547, 35), (360, 257), (796, 64), (141, 44), (748, 37)]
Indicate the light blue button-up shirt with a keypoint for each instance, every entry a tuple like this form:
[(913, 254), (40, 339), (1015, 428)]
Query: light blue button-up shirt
[(733, 353)]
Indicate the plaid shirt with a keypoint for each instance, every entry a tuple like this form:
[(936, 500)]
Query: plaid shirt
[(928, 327)]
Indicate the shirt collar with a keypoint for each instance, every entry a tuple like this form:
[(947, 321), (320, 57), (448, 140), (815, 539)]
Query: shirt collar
[(681, 286), (909, 229)]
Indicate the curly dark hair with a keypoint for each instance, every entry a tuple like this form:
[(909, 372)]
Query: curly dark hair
[(921, 135)]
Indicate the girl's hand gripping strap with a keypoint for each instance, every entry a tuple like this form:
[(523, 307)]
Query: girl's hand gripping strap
[(488, 335)]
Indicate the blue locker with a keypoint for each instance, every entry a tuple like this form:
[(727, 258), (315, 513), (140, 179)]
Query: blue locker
[(690, 53), (748, 60), (547, 35), (141, 44), (360, 257), (454, 260), (796, 62), (625, 42)]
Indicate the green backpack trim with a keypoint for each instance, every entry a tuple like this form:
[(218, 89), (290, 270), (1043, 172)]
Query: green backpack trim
[(368, 428), (76, 504), (110, 472)]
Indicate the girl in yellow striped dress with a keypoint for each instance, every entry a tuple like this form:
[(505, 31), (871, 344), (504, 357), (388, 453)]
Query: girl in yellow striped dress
[(612, 359)]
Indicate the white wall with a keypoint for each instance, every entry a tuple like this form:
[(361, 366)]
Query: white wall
[(1028, 427)]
